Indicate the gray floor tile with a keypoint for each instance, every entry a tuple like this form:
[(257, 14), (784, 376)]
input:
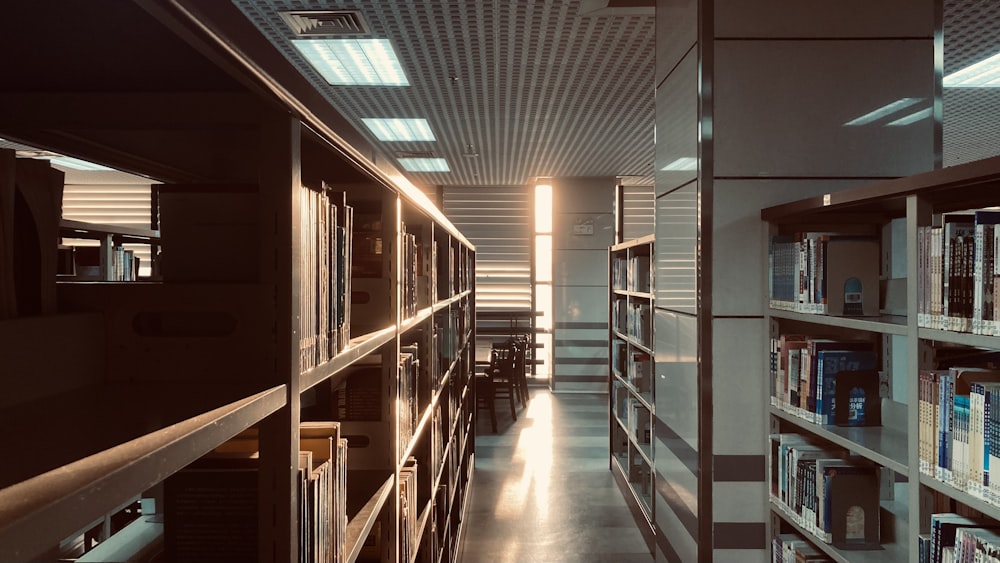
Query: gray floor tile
[(543, 490)]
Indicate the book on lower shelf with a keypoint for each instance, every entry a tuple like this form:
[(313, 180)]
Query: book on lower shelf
[(948, 542), (794, 548), (833, 496), (211, 506), (959, 422), (409, 511), (805, 374)]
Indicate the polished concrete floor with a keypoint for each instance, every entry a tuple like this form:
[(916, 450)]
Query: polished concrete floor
[(542, 490)]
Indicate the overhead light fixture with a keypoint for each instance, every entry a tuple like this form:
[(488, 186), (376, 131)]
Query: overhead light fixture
[(883, 111), (425, 164), (912, 118), (392, 129), (353, 62), (683, 163), (76, 164), (470, 151), (984, 74)]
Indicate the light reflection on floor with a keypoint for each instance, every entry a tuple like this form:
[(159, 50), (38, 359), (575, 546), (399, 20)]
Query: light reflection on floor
[(533, 453), (543, 491)]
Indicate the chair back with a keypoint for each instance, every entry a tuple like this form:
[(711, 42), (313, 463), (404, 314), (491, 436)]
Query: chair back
[(502, 360)]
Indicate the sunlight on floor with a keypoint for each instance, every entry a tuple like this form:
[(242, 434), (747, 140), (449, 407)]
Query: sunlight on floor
[(533, 453)]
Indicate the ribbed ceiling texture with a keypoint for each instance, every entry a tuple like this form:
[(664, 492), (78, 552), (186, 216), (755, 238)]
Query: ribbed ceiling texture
[(536, 88), (559, 88), (971, 115)]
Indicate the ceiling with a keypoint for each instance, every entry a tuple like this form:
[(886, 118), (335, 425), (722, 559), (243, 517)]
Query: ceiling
[(538, 88), (543, 88)]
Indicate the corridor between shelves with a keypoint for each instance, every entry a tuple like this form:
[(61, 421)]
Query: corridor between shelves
[(543, 491)]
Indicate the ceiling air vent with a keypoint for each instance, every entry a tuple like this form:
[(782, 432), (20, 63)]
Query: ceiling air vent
[(415, 154), (336, 23)]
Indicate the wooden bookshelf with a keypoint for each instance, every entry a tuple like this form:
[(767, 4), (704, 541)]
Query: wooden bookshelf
[(114, 388), (908, 343), (631, 402)]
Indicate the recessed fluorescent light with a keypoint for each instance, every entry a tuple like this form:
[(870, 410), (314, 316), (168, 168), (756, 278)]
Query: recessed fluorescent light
[(399, 129), (353, 62), (883, 111), (683, 163), (984, 74), (76, 163), (425, 164), (912, 118)]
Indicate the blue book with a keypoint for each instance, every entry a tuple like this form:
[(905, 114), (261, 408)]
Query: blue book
[(945, 418), (828, 364)]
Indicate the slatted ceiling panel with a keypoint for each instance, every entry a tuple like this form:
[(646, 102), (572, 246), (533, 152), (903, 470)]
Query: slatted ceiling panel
[(497, 221), (971, 33), (638, 211), (537, 88)]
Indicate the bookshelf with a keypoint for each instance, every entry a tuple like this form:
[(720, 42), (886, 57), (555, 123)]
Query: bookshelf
[(298, 284), (923, 338), (630, 385)]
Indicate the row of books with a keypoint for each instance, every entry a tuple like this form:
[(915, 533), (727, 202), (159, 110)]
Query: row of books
[(955, 538), (631, 273), (633, 414), (450, 327), (795, 548), (825, 380), (634, 319), (211, 507), (407, 403), (325, 231), (824, 273), (454, 269), (409, 511), (959, 428), (957, 269), (105, 262), (829, 493), (409, 300), (633, 365)]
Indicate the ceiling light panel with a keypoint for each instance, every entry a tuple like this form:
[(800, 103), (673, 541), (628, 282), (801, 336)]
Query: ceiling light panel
[(425, 164), (397, 129), (984, 74), (353, 62)]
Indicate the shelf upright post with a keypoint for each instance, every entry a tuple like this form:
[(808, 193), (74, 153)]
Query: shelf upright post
[(280, 190), (918, 214), (392, 237)]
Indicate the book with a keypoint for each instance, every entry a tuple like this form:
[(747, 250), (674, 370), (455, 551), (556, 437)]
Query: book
[(944, 528), (210, 510), (982, 311), (829, 363), (223, 484), (957, 239), (857, 393), (928, 417), (810, 379)]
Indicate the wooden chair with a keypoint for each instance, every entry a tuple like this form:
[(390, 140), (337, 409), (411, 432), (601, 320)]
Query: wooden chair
[(502, 372), (485, 397)]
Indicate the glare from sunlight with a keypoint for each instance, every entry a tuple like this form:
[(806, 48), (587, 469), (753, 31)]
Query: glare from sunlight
[(534, 455)]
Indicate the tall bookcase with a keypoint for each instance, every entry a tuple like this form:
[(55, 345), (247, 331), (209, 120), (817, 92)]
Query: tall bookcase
[(265, 318), (630, 383), (910, 343)]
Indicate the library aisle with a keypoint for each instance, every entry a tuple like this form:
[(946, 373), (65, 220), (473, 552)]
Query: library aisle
[(543, 491)]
